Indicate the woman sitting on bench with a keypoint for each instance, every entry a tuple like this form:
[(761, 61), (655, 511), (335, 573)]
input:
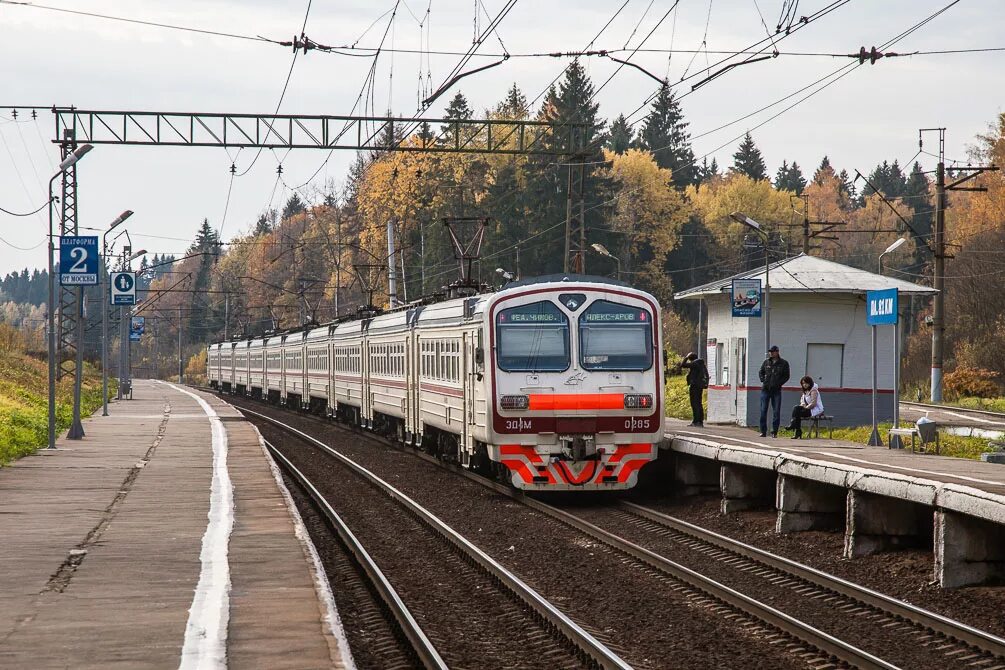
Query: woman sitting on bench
[(810, 405)]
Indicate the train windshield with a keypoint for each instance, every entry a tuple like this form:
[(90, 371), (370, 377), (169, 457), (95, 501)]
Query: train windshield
[(532, 338), (615, 337)]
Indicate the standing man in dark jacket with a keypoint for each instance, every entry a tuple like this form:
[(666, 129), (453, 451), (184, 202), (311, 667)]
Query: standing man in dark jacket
[(773, 374), (697, 382)]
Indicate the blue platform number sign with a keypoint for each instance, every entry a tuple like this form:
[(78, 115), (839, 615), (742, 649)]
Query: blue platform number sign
[(78, 260), (123, 288), (746, 297), (136, 327), (882, 307)]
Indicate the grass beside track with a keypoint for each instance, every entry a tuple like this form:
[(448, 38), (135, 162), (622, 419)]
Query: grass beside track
[(24, 402)]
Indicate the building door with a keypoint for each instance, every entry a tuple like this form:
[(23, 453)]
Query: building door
[(825, 362)]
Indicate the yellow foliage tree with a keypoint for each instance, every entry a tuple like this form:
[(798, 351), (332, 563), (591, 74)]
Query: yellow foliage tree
[(648, 215), (715, 200)]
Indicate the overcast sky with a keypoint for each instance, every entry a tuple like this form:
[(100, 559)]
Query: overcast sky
[(870, 115)]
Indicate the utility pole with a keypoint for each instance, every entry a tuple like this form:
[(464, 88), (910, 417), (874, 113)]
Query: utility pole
[(180, 370), (939, 266), (392, 282), (808, 231)]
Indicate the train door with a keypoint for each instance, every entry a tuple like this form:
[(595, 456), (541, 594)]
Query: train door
[(366, 402), (411, 385), (467, 390)]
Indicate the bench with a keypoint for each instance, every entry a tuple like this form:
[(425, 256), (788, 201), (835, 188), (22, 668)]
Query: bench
[(926, 433), (815, 425)]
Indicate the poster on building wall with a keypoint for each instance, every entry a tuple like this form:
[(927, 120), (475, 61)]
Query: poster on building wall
[(711, 360), (746, 297)]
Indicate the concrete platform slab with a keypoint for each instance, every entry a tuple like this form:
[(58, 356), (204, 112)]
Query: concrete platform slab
[(152, 536), (952, 488)]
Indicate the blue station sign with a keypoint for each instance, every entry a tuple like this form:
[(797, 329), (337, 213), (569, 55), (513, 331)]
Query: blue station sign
[(78, 260), (122, 288), (136, 327), (881, 307), (745, 297)]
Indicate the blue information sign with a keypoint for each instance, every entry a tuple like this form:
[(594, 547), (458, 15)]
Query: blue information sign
[(122, 288), (746, 297), (881, 307), (136, 327), (78, 260)]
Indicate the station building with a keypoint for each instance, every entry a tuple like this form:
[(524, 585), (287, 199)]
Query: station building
[(818, 321)]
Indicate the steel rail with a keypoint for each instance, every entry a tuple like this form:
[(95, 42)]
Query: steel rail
[(950, 628), (955, 408), (595, 650), (421, 645)]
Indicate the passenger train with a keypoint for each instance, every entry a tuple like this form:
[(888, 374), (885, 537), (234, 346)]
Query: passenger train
[(553, 383)]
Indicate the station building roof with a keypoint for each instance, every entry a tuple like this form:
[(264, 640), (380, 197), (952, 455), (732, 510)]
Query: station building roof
[(809, 274)]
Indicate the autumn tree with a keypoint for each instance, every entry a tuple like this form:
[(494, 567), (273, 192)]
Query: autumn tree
[(748, 160), (647, 218)]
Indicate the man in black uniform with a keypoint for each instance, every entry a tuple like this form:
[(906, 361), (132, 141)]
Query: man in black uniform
[(774, 373), (697, 382)]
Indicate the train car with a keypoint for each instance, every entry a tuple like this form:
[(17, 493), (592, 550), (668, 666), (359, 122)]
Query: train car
[(229, 367), (294, 377), (317, 351), (574, 381), (242, 367), (387, 343), (347, 372), (552, 383), (256, 368), (273, 368), (213, 365)]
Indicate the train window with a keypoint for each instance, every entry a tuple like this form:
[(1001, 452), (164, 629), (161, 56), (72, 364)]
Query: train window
[(615, 337), (533, 338)]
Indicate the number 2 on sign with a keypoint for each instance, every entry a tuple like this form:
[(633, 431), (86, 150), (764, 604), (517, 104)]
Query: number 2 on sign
[(79, 256)]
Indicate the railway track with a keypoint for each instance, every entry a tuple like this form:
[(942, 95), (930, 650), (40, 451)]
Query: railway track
[(546, 635), (400, 641), (958, 644), (1000, 416)]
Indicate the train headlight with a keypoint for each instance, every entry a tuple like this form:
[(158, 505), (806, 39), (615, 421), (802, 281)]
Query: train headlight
[(514, 402), (638, 401)]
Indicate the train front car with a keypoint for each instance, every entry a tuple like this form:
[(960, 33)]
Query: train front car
[(576, 383)]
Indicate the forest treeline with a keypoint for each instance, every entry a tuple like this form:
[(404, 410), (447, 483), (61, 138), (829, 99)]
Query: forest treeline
[(662, 212)]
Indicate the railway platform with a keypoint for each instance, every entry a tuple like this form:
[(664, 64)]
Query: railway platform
[(163, 539), (882, 499)]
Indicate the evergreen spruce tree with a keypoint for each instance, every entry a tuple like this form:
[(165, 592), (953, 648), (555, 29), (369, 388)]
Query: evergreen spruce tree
[(664, 133), (293, 206), (706, 171), (917, 194), (748, 160), (514, 106), (621, 138), (457, 110), (790, 178), (262, 226), (572, 102), (847, 190), (206, 239), (825, 170)]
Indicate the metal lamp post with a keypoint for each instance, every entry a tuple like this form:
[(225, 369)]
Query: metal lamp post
[(739, 217), (602, 250), (895, 442), (104, 311), (67, 162), (124, 345)]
